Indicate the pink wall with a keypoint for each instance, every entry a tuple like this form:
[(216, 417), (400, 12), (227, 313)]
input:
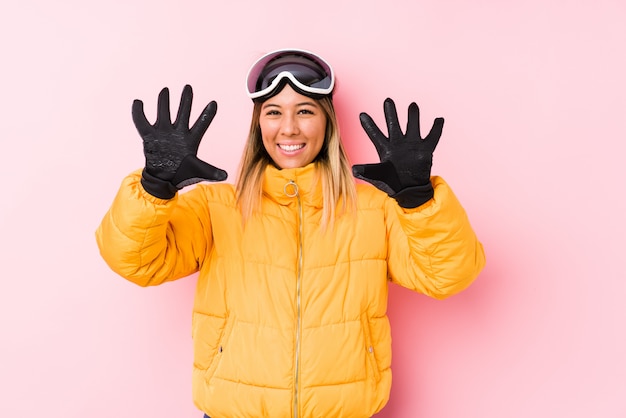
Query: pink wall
[(534, 99)]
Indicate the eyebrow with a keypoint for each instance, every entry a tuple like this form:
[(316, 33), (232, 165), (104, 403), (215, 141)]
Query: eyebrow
[(307, 103)]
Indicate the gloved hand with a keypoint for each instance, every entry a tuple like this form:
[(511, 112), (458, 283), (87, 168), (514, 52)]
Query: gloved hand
[(405, 159), (170, 149)]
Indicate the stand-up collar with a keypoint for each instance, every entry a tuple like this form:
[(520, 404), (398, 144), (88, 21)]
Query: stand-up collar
[(276, 185)]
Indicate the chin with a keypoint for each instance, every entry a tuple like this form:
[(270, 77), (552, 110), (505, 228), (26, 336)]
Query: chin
[(290, 164)]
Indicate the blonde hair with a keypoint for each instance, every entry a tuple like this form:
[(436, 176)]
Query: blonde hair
[(332, 163)]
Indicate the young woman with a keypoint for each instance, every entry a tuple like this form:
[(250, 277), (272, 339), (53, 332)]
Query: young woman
[(294, 261)]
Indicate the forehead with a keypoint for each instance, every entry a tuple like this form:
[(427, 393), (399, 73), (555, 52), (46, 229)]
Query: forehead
[(289, 97)]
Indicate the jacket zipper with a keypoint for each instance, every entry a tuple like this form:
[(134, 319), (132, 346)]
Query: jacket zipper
[(296, 194)]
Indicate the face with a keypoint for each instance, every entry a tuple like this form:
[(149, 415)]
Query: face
[(293, 127)]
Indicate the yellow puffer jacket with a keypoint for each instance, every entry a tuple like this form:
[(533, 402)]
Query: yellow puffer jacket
[(289, 320)]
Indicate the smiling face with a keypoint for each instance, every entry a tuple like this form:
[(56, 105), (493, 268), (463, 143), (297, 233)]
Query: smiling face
[(293, 128)]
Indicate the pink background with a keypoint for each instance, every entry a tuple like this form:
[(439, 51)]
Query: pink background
[(534, 99)]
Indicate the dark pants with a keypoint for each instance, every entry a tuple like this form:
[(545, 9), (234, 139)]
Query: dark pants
[(206, 416)]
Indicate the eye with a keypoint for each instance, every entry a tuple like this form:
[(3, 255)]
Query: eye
[(272, 112), (306, 111)]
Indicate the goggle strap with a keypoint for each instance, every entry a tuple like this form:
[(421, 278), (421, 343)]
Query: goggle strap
[(286, 74)]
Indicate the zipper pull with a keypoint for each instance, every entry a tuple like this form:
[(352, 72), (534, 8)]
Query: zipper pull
[(291, 189)]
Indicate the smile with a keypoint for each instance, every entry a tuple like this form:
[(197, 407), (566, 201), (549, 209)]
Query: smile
[(291, 148)]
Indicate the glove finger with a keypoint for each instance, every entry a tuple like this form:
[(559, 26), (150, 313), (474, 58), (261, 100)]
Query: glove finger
[(184, 109), (413, 122), (193, 170), (391, 117), (139, 118), (204, 120), (435, 133), (374, 133), (163, 108)]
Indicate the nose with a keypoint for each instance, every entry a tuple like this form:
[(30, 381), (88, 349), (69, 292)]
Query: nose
[(289, 125)]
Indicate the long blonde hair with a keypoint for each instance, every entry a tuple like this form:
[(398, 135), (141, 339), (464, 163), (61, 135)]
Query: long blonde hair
[(333, 167)]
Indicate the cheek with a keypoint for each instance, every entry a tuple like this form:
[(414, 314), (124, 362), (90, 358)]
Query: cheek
[(269, 129), (318, 131), (266, 133), (266, 144)]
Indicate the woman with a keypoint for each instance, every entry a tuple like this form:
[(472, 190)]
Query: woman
[(289, 318)]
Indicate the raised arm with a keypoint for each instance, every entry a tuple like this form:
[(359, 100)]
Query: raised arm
[(150, 234), (432, 246)]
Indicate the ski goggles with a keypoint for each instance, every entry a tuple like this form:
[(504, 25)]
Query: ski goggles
[(308, 73)]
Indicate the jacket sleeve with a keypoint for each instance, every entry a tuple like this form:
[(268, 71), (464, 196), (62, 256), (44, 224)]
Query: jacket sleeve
[(148, 240), (433, 248)]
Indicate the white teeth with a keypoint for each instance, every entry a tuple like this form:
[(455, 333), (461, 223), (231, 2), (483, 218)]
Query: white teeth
[(291, 148)]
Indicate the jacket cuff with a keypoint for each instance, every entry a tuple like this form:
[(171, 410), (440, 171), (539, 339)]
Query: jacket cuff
[(157, 187), (414, 196)]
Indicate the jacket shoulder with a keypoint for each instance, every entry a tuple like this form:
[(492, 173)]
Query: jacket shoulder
[(369, 197), (219, 193)]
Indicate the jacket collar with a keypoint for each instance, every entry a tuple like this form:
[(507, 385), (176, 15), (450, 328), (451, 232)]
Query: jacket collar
[(277, 188)]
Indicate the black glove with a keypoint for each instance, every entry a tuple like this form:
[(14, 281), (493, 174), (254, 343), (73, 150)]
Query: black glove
[(405, 159), (170, 149)]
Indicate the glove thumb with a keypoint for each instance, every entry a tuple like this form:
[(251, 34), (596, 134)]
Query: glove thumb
[(381, 175), (193, 170)]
